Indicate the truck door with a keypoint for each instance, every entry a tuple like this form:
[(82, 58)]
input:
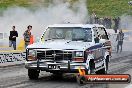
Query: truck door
[(98, 49)]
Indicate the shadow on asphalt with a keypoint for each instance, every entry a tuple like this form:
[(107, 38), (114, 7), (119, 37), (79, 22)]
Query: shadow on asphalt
[(67, 79), (58, 78)]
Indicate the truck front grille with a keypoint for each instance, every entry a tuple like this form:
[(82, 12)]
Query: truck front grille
[(54, 55)]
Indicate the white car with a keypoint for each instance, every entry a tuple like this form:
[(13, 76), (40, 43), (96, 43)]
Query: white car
[(64, 48)]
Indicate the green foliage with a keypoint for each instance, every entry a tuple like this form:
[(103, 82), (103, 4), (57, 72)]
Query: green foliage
[(111, 8), (102, 8), (8, 3), (4, 4)]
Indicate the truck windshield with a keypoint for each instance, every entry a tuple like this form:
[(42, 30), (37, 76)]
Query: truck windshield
[(73, 34)]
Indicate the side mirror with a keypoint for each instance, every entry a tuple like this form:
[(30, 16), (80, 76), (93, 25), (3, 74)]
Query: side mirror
[(102, 40)]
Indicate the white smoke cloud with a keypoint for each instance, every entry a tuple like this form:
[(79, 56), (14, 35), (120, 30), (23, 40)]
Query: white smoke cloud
[(126, 22), (57, 12)]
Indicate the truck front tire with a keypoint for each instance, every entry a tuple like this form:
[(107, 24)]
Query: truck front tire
[(33, 74)]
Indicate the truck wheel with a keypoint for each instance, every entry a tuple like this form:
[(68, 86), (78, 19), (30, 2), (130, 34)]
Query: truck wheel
[(33, 74), (101, 71), (104, 70), (106, 63), (91, 66)]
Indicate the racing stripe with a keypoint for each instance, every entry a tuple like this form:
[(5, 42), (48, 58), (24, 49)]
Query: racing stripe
[(95, 47)]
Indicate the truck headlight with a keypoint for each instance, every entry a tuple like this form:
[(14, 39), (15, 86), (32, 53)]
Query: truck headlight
[(79, 54), (32, 52), (32, 55)]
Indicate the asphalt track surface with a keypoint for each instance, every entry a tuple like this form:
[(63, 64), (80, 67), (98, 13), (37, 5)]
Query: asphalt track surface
[(16, 76)]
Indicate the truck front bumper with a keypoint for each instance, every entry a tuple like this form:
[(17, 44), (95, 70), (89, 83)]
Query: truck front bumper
[(44, 65)]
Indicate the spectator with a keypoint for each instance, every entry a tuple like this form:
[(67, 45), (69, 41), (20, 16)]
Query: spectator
[(93, 18), (27, 35), (119, 39), (105, 22), (100, 20), (96, 20), (12, 38), (116, 21), (109, 23)]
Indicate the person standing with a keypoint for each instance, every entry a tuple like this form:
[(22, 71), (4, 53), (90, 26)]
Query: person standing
[(116, 21), (119, 39), (109, 22), (27, 35), (105, 22), (12, 37), (93, 18)]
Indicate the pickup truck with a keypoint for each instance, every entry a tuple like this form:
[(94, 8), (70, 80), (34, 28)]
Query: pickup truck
[(64, 48)]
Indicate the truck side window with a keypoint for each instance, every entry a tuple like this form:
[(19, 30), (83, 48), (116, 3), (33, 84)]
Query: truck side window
[(96, 35), (102, 32)]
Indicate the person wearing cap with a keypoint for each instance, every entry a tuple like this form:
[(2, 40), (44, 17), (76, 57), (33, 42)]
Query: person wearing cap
[(119, 39), (27, 35), (12, 37)]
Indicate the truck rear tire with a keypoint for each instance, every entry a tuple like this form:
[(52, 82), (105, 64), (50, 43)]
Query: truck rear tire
[(101, 71), (104, 70), (107, 61), (33, 74)]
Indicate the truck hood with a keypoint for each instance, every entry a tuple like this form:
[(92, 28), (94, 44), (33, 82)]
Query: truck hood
[(62, 45)]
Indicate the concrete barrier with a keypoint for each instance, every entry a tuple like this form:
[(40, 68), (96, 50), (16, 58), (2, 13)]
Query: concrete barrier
[(12, 57)]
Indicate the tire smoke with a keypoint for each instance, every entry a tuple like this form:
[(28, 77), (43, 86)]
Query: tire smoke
[(56, 12)]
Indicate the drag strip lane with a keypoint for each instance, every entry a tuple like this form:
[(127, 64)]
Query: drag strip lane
[(16, 77)]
